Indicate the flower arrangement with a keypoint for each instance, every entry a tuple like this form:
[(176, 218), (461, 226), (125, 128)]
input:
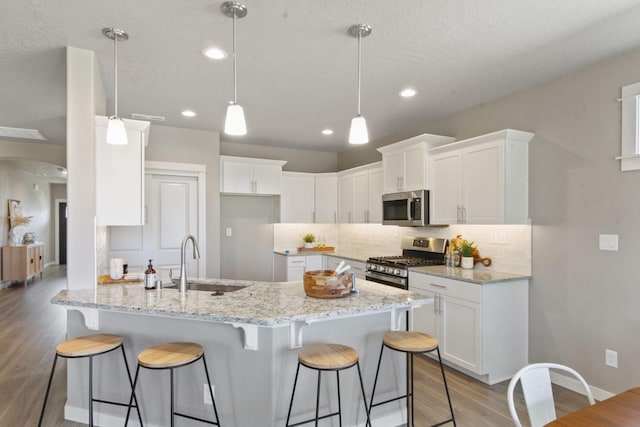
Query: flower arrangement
[(20, 220), (464, 247)]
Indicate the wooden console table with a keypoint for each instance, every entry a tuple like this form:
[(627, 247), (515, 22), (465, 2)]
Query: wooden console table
[(21, 263)]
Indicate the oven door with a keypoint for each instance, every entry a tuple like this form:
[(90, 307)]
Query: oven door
[(385, 279)]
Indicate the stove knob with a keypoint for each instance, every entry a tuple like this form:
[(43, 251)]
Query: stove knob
[(396, 272)]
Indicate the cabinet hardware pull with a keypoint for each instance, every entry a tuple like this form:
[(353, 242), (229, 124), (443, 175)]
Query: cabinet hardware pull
[(464, 215), (335, 217), (438, 286)]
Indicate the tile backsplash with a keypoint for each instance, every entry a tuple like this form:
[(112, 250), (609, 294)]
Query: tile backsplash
[(508, 246)]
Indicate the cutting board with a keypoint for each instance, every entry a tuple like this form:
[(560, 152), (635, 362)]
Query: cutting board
[(106, 280), (325, 249)]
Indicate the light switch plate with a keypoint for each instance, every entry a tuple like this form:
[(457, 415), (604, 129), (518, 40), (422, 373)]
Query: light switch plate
[(608, 242), (229, 232)]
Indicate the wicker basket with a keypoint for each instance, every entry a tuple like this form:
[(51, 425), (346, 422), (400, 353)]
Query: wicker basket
[(324, 284)]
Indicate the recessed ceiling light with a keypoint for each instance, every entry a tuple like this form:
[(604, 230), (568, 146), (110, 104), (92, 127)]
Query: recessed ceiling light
[(215, 53), (327, 132), (188, 113), (408, 93)]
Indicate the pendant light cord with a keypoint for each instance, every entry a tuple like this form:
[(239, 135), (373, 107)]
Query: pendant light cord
[(115, 72), (235, 88), (359, 39)]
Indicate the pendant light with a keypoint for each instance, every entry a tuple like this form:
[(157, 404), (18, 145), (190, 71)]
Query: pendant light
[(358, 133), (234, 123), (116, 133)]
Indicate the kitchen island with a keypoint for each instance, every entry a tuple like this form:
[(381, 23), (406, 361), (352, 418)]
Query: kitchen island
[(251, 338)]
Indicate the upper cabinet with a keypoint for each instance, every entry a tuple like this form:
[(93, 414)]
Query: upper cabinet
[(404, 163), (482, 180), (360, 194), (309, 197), (243, 175), (120, 175)]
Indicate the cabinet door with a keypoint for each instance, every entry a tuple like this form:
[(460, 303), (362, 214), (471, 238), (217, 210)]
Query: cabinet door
[(483, 184), (295, 268), (345, 199), (119, 179), (237, 177), (313, 262), (391, 172), (413, 169), (360, 196), (424, 319), (461, 332), (374, 211), (297, 198), (331, 263), (266, 179), (446, 182), (326, 199)]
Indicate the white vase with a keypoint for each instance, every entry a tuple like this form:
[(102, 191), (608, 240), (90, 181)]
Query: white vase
[(308, 245), (467, 262)]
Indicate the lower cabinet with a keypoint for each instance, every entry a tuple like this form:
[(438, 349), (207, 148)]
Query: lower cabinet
[(289, 268), (358, 267), (22, 262), (482, 329)]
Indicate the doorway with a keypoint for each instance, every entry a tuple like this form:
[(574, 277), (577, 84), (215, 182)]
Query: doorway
[(60, 231)]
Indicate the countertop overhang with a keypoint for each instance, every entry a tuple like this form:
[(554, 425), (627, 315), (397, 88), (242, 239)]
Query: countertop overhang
[(472, 275), (260, 304)]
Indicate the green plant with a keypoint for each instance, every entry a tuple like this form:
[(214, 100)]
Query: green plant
[(466, 249), (309, 238)]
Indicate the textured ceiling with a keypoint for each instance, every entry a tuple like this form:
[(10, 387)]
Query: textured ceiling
[(296, 62)]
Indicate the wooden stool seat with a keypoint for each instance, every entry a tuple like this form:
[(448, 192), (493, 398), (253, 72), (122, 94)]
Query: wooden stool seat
[(171, 355), (410, 342), (328, 356), (88, 345)]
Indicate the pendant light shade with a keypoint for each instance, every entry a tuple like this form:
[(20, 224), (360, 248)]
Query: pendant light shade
[(116, 132), (358, 134), (234, 123)]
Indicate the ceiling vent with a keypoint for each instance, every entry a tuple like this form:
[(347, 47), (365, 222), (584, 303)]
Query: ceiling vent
[(148, 117), (7, 132)]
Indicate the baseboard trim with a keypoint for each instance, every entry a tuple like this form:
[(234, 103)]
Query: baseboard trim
[(575, 385)]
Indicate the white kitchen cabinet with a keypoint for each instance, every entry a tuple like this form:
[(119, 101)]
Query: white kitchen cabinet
[(244, 175), (482, 329), (120, 175), (297, 198), (309, 198), (331, 262), (326, 198), (288, 268), (405, 163), (482, 180), (360, 195)]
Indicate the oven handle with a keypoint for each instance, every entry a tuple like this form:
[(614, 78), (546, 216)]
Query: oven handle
[(392, 279)]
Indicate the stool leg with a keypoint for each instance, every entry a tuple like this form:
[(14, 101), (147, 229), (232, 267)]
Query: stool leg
[(318, 399), (411, 378), (293, 393), (133, 388), (46, 395), (339, 405), (375, 381), (135, 399), (364, 398), (206, 371), (172, 408), (90, 391), (446, 388)]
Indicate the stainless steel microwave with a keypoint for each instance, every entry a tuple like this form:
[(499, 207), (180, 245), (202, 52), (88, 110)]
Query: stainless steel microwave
[(408, 208)]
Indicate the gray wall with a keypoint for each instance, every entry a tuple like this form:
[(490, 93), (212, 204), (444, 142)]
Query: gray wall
[(312, 161), (582, 300), (169, 144)]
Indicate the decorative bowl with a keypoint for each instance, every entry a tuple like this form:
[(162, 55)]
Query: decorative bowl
[(324, 284)]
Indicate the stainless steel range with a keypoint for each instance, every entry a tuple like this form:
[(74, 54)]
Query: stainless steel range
[(416, 252)]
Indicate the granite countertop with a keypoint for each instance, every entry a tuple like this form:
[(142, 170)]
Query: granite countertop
[(469, 275), (260, 303), (338, 254)]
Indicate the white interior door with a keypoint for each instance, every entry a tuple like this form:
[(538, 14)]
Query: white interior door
[(171, 213)]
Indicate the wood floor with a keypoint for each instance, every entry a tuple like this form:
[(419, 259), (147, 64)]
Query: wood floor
[(30, 328)]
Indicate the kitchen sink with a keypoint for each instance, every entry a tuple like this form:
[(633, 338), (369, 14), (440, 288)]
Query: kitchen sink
[(216, 288)]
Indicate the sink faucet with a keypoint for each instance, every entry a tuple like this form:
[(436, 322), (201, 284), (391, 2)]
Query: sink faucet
[(183, 266)]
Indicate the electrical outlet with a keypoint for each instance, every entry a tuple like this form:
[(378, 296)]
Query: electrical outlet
[(207, 395), (611, 358), (608, 242), (229, 232)]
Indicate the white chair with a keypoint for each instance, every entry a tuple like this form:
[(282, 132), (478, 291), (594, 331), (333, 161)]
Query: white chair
[(538, 395)]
